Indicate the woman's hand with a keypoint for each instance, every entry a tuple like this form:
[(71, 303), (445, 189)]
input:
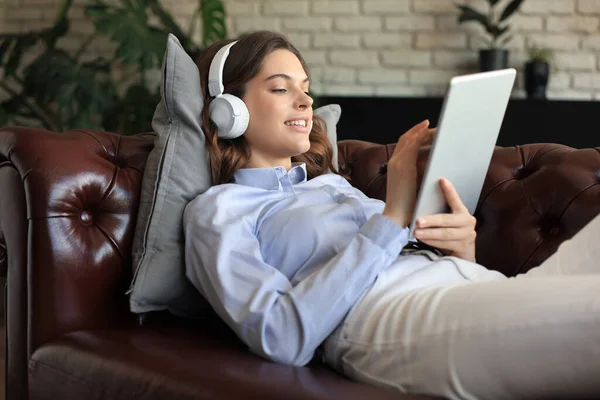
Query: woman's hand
[(401, 189), (454, 234)]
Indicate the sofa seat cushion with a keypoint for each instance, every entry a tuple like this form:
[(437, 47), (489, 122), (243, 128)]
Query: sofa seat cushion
[(165, 362)]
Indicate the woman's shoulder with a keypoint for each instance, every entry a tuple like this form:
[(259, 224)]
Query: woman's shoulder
[(338, 182), (218, 198), (330, 179), (217, 191)]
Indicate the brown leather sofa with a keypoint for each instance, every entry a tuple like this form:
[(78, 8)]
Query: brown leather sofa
[(68, 206)]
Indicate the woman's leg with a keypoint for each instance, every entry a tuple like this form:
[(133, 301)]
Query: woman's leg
[(499, 338), (578, 255)]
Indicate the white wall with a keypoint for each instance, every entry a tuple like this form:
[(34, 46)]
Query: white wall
[(390, 47)]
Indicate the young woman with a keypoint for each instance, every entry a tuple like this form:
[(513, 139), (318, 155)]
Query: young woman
[(299, 263)]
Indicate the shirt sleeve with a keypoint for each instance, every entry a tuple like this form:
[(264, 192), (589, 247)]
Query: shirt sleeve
[(278, 321)]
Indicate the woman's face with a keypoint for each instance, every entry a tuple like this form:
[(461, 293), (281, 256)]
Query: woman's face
[(280, 111)]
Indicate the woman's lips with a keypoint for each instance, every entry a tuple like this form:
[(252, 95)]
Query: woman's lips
[(300, 128)]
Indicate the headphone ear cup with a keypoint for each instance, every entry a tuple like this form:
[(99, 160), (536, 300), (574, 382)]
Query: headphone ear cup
[(230, 114)]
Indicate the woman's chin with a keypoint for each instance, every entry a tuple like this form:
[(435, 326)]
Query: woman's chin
[(305, 148), (300, 147), (299, 152)]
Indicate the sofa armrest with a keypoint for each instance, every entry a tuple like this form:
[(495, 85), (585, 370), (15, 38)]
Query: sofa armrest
[(535, 196), (68, 252)]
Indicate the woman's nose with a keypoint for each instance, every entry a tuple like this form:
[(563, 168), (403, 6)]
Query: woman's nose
[(305, 101)]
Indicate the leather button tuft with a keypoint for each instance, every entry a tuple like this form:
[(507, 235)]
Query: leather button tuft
[(86, 217), (522, 172), (550, 226), (383, 169), (119, 162)]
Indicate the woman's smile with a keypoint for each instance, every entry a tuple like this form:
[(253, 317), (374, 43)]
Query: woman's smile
[(299, 125)]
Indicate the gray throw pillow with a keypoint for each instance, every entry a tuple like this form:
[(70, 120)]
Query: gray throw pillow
[(331, 115), (177, 170)]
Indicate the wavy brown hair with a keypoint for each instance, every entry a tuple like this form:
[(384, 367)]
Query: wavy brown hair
[(244, 62)]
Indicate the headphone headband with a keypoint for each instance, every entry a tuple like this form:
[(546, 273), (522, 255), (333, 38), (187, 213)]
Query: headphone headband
[(215, 73)]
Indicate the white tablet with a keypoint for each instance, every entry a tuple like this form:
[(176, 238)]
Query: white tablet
[(468, 128)]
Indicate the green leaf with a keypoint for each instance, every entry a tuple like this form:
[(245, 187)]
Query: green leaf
[(21, 45), (14, 108), (51, 35), (193, 21), (506, 39), (4, 117), (14, 104), (96, 10), (5, 43), (486, 41), (510, 9), (14, 46), (78, 92), (169, 23), (469, 14), (496, 31), (213, 21), (133, 113), (63, 11), (138, 43)]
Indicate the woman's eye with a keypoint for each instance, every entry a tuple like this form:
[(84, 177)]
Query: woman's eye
[(285, 91)]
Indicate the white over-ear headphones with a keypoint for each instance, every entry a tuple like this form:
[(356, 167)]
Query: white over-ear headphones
[(227, 111)]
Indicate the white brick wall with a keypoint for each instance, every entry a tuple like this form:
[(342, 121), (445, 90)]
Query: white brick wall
[(386, 47)]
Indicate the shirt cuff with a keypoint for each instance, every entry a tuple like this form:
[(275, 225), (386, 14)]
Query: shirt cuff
[(386, 234)]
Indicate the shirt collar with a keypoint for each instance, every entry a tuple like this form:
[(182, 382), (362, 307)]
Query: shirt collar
[(268, 178)]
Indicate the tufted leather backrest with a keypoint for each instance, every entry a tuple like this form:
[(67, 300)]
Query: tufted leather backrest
[(82, 191), (77, 195), (534, 197)]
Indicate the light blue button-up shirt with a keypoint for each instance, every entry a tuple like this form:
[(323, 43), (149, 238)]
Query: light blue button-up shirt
[(282, 259)]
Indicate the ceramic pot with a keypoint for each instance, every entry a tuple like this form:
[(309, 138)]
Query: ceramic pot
[(537, 74), (493, 59)]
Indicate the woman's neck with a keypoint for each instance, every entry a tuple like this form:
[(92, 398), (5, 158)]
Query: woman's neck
[(260, 162)]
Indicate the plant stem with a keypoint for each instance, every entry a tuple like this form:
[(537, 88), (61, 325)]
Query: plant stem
[(84, 46), (125, 78), (167, 21), (491, 18), (63, 10), (142, 72), (192, 27), (19, 80)]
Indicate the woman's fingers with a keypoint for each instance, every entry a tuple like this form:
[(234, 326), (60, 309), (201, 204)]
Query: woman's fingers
[(427, 136), (444, 234), (452, 233), (411, 135), (457, 220), (458, 248), (418, 128), (452, 197), (401, 186)]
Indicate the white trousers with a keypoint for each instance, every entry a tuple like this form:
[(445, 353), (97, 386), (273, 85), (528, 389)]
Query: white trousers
[(472, 333)]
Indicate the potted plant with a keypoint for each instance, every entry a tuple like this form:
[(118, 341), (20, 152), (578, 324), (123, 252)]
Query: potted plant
[(537, 72), (44, 85), (494, 22)]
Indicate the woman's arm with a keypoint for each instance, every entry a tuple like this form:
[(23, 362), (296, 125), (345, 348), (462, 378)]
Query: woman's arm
[(276, 320)]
